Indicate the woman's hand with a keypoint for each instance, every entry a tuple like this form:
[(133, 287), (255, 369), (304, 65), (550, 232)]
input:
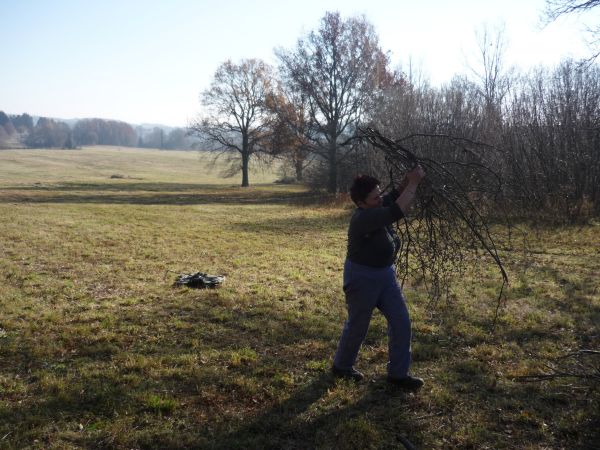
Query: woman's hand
[(405, 199), (416, 175)]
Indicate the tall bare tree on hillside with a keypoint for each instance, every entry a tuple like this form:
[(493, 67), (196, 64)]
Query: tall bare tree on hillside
[(236, 118), (338, 68)]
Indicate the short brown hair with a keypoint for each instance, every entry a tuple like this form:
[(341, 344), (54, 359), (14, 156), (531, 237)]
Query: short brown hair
[(361, 187)]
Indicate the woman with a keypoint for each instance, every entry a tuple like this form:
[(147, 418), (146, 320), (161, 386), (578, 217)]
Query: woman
[(370, 278)]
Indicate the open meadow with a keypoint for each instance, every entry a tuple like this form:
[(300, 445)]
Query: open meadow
[(98, 350)]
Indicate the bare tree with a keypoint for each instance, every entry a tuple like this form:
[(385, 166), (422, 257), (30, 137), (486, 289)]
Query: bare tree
[(558, 8), (49, 133), (491, 77), (103, 132), (236, 118), (337, 68), (552, 137)]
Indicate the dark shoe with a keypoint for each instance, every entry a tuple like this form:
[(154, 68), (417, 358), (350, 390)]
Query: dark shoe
[(409, 383), (352, 374)]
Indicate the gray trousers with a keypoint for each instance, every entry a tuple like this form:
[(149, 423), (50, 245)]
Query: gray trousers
[(367, 288)]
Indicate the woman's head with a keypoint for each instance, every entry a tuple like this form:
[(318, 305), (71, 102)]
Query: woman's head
[(365, 192)]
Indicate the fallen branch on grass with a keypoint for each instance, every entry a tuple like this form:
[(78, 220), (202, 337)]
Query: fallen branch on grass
[(582, 364)]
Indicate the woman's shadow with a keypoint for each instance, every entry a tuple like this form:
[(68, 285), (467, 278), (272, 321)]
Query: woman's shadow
[(296, 423)]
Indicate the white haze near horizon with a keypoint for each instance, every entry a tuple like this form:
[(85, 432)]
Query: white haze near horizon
[(148, 61)]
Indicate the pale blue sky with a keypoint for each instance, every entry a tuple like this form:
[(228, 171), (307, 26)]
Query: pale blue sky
[(145, 61)]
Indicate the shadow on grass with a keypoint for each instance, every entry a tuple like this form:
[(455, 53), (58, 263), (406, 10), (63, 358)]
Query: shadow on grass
[(296, 422), (137, 402), (104, 390), (119, 187), (122, 407), (159, 194), (336, 221)]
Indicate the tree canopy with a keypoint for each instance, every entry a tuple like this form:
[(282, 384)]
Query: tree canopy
[(236, 117), (338, 69)]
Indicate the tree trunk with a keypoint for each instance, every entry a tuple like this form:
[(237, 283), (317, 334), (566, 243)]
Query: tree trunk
[(332, 182), (299, 169), (245, 159)]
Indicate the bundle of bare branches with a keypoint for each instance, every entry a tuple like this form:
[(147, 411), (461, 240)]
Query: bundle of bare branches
[(449, 223)]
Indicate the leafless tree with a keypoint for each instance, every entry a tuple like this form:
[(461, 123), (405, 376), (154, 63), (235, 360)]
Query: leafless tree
[(49, 133), (337, 68), (492, 78), (552, 141), (557, 8), (102, 132), (236, 118)]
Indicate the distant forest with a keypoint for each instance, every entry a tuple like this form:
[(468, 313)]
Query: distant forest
[(22, 131)]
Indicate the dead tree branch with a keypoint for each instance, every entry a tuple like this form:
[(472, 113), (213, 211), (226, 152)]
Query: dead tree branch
[(448, 223), (582, 364)]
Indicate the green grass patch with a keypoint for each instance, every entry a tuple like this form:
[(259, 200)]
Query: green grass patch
[(99, 350)]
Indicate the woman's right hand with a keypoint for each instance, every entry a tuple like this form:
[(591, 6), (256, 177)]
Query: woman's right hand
[(416, 175)]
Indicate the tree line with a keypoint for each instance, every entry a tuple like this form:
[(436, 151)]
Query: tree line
[(539, 130), (22, 131)]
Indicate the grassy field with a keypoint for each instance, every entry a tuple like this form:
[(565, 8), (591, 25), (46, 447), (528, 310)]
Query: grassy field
[(98, 350)]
